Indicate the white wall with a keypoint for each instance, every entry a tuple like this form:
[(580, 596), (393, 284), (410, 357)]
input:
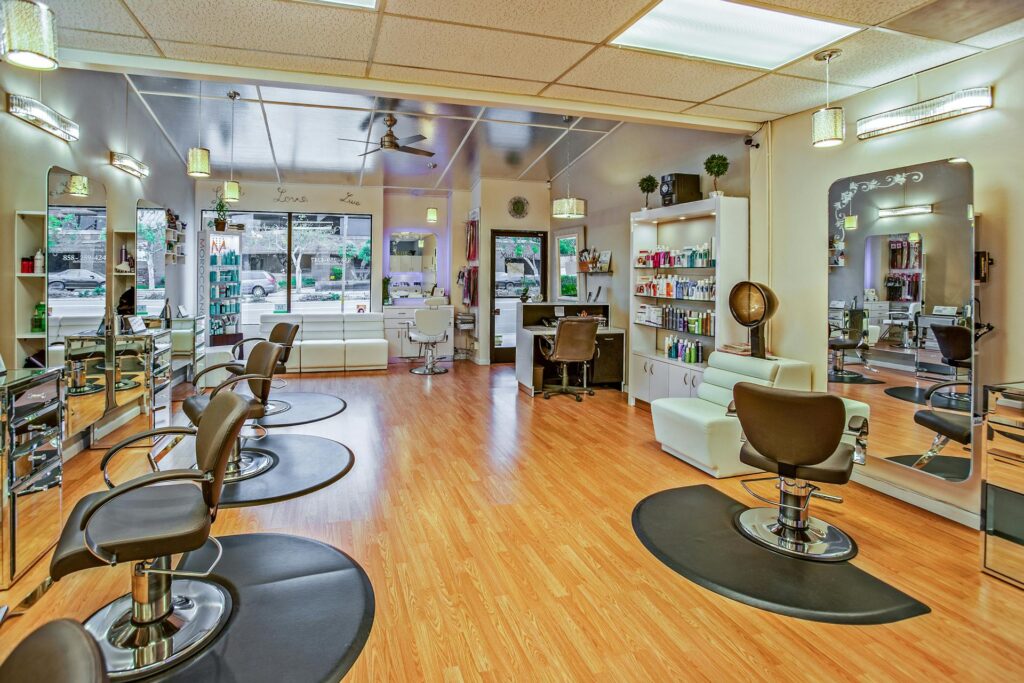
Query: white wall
[(801, 175)]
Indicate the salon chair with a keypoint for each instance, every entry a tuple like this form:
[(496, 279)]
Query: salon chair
[(906, 323), (575, 342), (429, 330), (259, 373), (948, 425), (282, 334), (849, 339), (169, 614), (60, 651), (797, 436), (956, 346)]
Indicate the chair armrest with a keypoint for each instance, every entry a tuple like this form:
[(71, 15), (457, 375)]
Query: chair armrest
[(240, 378), (121, 445), (942, 385), (239, 345), (547, 344), (730, 410), (858, 425), (211, 368)]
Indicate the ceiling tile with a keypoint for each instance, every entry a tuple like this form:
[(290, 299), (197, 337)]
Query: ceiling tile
[(405, 74), (568, 148), (504, 150), (954, 20), (876, 56), (291, 28), (785, 93), (181, 86), (264, 60), (998, 36), (109, 16), (105, 42), (733, 113), (306, 141), (857, 11), (569, 92), (413, 42), (588, 20), (645, 73)]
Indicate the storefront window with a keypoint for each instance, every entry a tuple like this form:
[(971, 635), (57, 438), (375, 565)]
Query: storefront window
[(568, 277), (150, 268), (77, 261)]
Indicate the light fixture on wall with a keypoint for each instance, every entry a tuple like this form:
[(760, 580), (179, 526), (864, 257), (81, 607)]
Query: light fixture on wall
[(27, 35), (828, 124), (199, 156), (78, 186), (905, 210), (122, 160), (431, 215), (568, 206), (232, 191), (947, 106), (39, 115)]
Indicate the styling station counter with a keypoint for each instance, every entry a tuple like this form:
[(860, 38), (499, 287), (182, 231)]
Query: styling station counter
[(30, 510), (113, 374), (535, 320), (1004, 482), (399, 318)]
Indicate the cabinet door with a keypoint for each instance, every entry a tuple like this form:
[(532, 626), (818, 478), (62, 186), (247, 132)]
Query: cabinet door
[(659, 380), (410, 349), (394, 337), (678, 382), (696, 377), (640, 378)]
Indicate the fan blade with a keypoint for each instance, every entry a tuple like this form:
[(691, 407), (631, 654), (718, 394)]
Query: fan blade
[(411, 139), (413, 150), (370, 152), (351, 140)]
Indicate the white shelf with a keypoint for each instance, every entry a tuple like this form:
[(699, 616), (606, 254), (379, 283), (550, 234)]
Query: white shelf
[(31, 335), (36, 214), (31, 274), (674, 361)]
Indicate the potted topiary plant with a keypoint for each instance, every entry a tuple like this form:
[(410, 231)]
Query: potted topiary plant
[(220, 223), (716, 166), (647, 185)]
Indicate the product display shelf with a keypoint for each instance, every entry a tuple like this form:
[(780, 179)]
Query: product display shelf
[(28, 325), (722, 224), (121, 280), (220, 298)]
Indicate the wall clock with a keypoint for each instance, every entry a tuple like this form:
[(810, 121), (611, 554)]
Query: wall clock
[(518, 207)]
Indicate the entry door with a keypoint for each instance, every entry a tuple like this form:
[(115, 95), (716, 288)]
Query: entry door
[(520, 261)]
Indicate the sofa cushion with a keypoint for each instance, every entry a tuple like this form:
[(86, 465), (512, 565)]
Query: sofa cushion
[(701, 433), (364, 326), (322, 326), (322, 354), (268, 320), (366, 354)]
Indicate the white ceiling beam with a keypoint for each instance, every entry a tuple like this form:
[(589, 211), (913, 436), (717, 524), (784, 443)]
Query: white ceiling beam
[(156, 120), (458, 150), (550, 147), (586, 151), (270, 138)]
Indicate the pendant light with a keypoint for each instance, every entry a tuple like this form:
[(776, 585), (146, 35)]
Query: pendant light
[(828, 124), (122, 160), (199, 156), (78, 186), (27, 35), (568, 206), (232, 192)]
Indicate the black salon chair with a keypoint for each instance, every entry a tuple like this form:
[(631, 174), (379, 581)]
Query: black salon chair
[(161, 621), (841, 340), (956, 344), (796, 435), (60, 651), (258, 372), (948, 425), (282, 334), (575, 342)]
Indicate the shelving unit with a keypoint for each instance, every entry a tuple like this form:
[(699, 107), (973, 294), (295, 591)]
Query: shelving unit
[(720, 221), (174, 235), (121, 282), (29, 288), (220, 295)]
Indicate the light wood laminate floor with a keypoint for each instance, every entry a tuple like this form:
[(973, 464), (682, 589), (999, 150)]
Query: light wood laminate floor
[(496, 531)]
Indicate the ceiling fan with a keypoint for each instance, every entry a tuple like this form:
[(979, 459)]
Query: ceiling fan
[(389, 143)]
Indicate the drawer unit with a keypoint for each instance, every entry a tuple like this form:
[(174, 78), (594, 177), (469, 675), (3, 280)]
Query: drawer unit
[(1003, 554)]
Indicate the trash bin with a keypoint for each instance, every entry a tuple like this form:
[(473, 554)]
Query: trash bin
[(538, 377)]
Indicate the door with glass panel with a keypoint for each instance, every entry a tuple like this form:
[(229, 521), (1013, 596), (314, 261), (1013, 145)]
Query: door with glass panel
[(519, 270)]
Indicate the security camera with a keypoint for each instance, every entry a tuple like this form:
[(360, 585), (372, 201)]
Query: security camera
[(749, 142)]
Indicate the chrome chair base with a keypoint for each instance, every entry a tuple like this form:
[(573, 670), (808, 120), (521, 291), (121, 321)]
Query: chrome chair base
[(428, 370), (250, 463), (817, 540), (276, 406), (132, 651)]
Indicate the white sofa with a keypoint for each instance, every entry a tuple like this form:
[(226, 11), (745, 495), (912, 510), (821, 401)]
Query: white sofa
[(697, 429), (334, 341), (61, 326)]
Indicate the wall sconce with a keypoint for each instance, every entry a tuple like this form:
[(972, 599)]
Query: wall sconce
[(128, 164), (39, 115), (948, 106), (905, 211), (432, 215)]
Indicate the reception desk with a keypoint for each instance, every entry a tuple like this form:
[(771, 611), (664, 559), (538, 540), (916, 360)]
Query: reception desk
[(535, 320)]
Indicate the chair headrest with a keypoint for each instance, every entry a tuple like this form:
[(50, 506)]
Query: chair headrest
[(435, 301)]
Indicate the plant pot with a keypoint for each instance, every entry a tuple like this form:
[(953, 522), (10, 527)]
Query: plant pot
[(716, 193), (220, 224), (525, 298)]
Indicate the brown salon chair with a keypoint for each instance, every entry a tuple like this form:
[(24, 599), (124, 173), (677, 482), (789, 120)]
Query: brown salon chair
[(282, 334), (169, 615), (259, 373), (60, 651), (841, 340), (575, 342), (948, 425), (956, 344), (796, 435)]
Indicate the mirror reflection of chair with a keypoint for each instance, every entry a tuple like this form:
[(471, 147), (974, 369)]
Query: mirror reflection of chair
[(283, 334), (841, 340), (429, 330), (796, 435), (164, 619), (948, 425), (575, 342), (904, 323), (259, 373), (956, 346), (60, 651)]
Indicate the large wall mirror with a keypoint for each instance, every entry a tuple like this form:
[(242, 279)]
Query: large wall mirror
[(151, 246), (902, 319), (413, 264)]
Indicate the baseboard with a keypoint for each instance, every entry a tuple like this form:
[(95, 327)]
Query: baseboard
[(940, 508)]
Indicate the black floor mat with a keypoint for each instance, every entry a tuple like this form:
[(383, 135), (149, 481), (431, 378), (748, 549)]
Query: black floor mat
[(305, 407), (691, 530), (854, 379), (302, 611), (946, 466), (916, 395)]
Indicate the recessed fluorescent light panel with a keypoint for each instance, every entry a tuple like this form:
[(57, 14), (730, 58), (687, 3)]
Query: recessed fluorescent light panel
[(905, 211), (364, 4), (729, 32), (936, 109)]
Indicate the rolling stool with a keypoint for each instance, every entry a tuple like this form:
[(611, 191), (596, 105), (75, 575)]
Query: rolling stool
[(431, 328), (575, 342), (798, 436), (956, 346), (282, 334), (259, 373), (163, 620), (60, 651)]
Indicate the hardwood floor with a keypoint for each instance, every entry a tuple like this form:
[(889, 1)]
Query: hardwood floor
[(496, 531)]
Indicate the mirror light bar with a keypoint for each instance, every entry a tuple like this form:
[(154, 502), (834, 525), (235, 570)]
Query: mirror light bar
[(905, 211), (948, 106), (39, 115), (129, 164)]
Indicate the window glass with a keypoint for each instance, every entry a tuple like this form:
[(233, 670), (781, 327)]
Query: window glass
[(77, 260), (150, 267), (331, 256), (568, 276)]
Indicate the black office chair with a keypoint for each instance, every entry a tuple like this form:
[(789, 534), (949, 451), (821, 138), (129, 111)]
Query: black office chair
[(956, 346), (947, 425), (60, 651), (575, 342), (848, 339)]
